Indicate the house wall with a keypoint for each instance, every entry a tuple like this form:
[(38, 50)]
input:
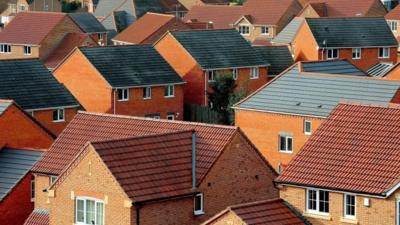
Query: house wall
[(42, 182), (381, 211), (293, 10), (9, 12), (16, 206), (377, 9), (45, 117), (228, 218), (19, 131), (309, 12), (394, 74), (45, 5), (304, 46), (263, 130), (255, 31), (17, 52)]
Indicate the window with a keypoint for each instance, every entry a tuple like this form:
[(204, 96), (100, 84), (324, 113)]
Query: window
[(393, 25), (332, 53), (171, 116), (58, 115), (317, 201), (356, 52), (254, 73), (198, 204), (13, 7), (285, 143), (22, 7), (52, 179), (383, 52), (210, 76), (5, 19), (264, 30), (123, 94), (147, 93), (169, 91), (235, 74), (5, 48), (349, 206), (27, 50), (244, 30), (32, 190), (307, 127), (100, 39), (89, 211)]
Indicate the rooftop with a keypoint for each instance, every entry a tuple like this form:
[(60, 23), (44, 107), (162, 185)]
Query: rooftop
[(279, 58), (38, 217), (340, 66), (87, 22)]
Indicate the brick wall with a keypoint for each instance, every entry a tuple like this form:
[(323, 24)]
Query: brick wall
[(42, 182), (45, 117), (17, 52), (304, 45), (228, 218)]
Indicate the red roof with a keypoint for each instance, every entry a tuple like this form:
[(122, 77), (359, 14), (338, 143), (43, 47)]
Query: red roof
[(30, 27), (211, 139), (345, 8), (221, 16), (150, 167), (267, 212), (38, 217), (393, 14), (357, 149)]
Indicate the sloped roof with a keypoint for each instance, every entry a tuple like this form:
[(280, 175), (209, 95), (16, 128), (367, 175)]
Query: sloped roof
[(320, 8), (14, 165), (211, 139), (38, 217), (131, 65), (381, 69), (30, 27), (150, 167), (219, 49), (393, 14), (356, 150), (106, 8), (340, 66), (4, 105), (87, 22), (351, 32), (344, 8), (221, 16), (278, 57), (32, 86), (294, 92), (288, 34)]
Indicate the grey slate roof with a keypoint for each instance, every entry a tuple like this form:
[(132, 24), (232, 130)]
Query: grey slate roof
[(317, 95), (279, 58), (219, 49), (106, 8), (4, 106), (87, 22), (351, 32), (30, 84), (343, 67), (14, 165), (380, 69), (131, 65), (287, 35)]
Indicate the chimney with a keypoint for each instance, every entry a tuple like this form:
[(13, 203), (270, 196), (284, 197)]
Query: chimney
[(193, 159)]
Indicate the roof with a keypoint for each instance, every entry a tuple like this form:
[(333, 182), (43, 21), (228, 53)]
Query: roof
[(355, 150), (24, 28), (131, 65), (150, 167), (67, 44), (4, 105), (381, 69), (315, 94), (105, 12), (343, 8), (288, 34), (340, 66), (351, 32), (38, 217), (211, 139), (14, 165), (278, 57), (393, 14), (87, 22), (267, 212), (32, 86), (221, 16), (219, 49)]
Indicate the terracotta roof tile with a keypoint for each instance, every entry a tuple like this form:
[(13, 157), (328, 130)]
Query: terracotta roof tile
[(345, 8), (393, 14), (30, 27), (38, 217), (356, 149), (221, 16), (211, 139)]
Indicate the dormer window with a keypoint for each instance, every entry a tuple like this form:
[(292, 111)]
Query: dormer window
[(244, 30), (264, 30), (5, 49)]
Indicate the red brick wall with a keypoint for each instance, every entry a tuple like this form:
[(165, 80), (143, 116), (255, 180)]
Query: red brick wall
[(45, 117), (16, 207)]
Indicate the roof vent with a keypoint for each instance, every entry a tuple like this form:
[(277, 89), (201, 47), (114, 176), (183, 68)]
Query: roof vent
[(320, 106), (326, 29), (298, 104)]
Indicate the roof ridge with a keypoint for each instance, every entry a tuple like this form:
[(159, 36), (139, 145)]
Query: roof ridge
[(45, 12), (202, 30), (373, 105), (115, 46), (160, 14), (340, 76), (346, 17)]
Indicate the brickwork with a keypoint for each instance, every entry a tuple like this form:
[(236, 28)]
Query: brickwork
[(17, 52), (42, 182), (45, 117), (229, 218)]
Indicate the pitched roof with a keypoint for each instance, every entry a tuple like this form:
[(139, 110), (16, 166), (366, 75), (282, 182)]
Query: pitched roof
[(106, 8), (356, 150), (393, 14), (267, 212), (30, 27), (288, 34), (221, 16), (87, 22), (14, 165), (351, 32), (32, 86), (381, 69), (279, 58), (211, 139), (340, 66), (343, 8), (38, 217), (219, 49), (131, 65), (315, 94), (150, 167), (4, 105)]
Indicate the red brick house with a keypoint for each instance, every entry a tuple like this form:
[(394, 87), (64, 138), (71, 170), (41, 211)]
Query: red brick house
[(128, 80), (22, 142), (88, 23), (199, 56), (205, 168)]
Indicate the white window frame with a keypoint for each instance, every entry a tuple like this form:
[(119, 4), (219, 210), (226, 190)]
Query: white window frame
[(254, 73), (170, 91), (330, 51), (33, 194), (244, 30), (347, 216), (262, 31), (59, 119), (171, 116), (5, 49), (305, 127), (393, 25), (27, 50), (384, 56), (201, 210), (124, 94), (13, 7), (287, 137), (147, 93), (84, 209), (235, 74), (53, 179), (357, 52), (317, 201), (210, 74)]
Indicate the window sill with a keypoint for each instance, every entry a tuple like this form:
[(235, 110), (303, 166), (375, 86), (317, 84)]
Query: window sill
[(123, 100), (198, 213), (253, 78), (384, 57), (307, 133), (58, 121), (286, 152), (146, 98), (348, 220), (172, 96), (317, 216)]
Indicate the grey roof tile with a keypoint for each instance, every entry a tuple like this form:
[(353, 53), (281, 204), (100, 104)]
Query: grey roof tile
[(343, 67), (287, 35), (380, 69), (4, 106), (279, 58), (87, 22)]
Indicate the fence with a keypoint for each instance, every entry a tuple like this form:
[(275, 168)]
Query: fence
[(203, 114)]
